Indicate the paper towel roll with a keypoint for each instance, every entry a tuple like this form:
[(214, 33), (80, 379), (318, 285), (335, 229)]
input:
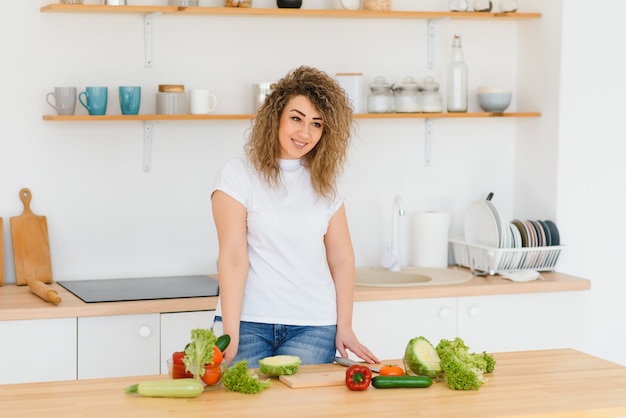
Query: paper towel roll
[(430, 239)]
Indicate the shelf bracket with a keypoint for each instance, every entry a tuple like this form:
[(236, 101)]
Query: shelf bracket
[(428, 142), (147, 37), (430, 37), (148, 128), (430, 60)]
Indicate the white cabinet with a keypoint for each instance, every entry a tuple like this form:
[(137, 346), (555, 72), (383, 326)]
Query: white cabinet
[(522, 322), (176, 331), (40, 350), (385, 327), (123, 345), (495, 323)]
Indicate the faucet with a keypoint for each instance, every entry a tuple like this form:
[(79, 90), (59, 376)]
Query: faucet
[(391, 256)]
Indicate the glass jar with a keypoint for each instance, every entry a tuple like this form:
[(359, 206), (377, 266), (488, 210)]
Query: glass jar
[(407, 96), (380, 99), (432, 102)]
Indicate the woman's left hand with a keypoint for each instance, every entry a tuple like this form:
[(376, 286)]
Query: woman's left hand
[(346, 340)]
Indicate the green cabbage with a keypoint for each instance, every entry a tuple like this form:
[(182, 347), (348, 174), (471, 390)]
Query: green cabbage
[(421, 358), (279, 365)]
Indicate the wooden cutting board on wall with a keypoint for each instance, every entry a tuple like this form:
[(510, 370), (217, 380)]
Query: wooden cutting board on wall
[(31, 251)]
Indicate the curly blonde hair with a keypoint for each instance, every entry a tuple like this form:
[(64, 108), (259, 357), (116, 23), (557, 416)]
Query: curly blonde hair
[(325, 161)]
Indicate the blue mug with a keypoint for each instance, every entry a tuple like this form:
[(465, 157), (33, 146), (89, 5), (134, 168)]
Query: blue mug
[(130, 99), (96, 99)]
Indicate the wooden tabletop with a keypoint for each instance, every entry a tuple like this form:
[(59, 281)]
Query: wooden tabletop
[(549, 383)]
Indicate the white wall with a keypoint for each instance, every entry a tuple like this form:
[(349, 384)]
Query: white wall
[(107, 218), (591, 179)]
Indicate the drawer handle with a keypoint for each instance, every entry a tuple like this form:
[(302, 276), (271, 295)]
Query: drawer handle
[(473, 311), (145, 331), (444, 313)]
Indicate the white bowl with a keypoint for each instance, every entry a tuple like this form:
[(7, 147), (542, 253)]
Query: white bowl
[(493, 99)]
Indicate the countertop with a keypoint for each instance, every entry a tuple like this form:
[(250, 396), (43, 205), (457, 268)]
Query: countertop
[(17, 302), (560, 383)]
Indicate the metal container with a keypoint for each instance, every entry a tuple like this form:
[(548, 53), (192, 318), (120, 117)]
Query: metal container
[(115, 2), (259, 92)]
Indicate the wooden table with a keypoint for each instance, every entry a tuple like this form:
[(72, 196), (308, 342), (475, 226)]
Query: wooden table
[(547, 383)]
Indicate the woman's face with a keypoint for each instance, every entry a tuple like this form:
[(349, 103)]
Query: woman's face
[(300, 128)]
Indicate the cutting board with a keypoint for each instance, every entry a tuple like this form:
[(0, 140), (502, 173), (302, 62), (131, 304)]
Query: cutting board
[(315, 379), (31, 252)]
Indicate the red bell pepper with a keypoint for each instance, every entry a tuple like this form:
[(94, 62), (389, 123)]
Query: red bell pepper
[(358, 377)]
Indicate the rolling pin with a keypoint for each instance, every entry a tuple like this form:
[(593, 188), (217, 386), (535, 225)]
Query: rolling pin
[(44, 291)]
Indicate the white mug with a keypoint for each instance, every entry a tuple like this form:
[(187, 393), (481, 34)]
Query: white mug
[(348, 4), (202, 101)]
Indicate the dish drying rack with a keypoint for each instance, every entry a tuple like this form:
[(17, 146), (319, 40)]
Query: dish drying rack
[(483, 259)]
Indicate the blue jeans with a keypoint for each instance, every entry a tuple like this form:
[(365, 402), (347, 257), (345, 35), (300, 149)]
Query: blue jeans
[(313, 344)]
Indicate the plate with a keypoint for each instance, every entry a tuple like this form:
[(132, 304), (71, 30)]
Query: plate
[(541, 236), (546, 231), (503, 231), (480, 224), (522, 231), (532, 234), (554, 232)]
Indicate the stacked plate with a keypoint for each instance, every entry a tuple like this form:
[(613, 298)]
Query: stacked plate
[(485, 226)]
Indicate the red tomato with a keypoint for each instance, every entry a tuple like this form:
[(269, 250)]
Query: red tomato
[(212, 374), (178, 357), (179, 372), (218, 357), (391, 370)]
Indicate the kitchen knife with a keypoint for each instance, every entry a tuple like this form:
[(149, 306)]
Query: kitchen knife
[(347, 362)]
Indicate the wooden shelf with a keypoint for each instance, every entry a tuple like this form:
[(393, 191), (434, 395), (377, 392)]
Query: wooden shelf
[(104, 118), (251, 11)]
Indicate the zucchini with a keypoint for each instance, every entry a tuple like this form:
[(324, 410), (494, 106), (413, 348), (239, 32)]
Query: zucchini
[(388, 382), (222, 342), (172, 388)]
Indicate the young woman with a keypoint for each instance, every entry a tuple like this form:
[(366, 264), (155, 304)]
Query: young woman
[(286, 263)]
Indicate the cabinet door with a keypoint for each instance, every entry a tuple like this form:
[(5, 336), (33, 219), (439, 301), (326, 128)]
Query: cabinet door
[(522, 322), (40, 350), (385, 327), (123, 345), (176, 331)]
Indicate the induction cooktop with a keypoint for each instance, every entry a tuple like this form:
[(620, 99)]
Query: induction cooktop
[(143, 288)]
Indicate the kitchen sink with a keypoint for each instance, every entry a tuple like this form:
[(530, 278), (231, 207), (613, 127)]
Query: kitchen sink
[(409, 276)]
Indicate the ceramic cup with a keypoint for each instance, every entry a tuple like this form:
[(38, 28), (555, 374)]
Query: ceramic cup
[(202, 101), (96, 99), (64, 99), (130, 99)]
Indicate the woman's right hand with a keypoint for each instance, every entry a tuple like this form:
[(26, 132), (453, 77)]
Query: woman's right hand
[(231, 351)]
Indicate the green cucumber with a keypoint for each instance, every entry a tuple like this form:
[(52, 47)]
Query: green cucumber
[(171, 388), (388, 382), (222, 342)]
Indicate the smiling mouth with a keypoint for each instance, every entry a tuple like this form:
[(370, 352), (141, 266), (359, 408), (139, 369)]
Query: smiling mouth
[(298, 143)]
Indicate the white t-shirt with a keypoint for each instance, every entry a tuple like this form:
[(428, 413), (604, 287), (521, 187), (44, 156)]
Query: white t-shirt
[(289, 281)]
